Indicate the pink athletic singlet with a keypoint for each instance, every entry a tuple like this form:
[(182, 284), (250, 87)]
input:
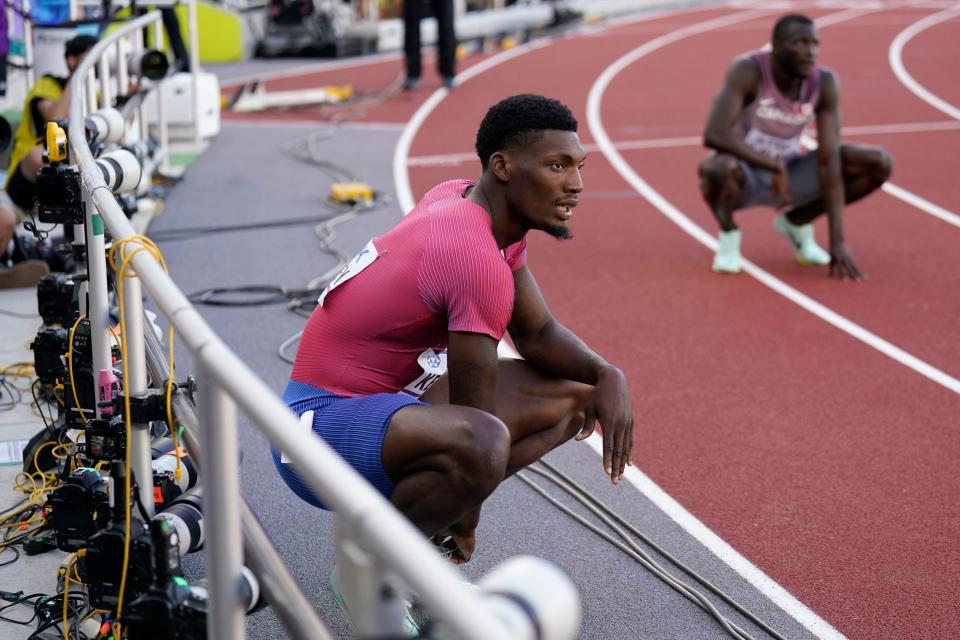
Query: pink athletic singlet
[(438, 270), (772, 124)]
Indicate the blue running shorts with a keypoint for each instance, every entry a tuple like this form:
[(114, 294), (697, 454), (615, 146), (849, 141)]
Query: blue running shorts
[(758, 186), (353, 427)]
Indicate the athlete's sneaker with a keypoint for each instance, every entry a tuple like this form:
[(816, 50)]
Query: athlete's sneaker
[(410, 628), (806, 249), (727, 258), (23, 274)]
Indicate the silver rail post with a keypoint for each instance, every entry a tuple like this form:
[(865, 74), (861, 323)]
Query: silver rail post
[(281, 589), (99, 311), (221, 486), (91, 93), (123, 73), (163, 135), (28, 45), (136, 382), (105, 95), (194, 68)]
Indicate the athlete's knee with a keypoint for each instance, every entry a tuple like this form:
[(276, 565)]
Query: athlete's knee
[(717, 172), (479, 455), (882, 166)]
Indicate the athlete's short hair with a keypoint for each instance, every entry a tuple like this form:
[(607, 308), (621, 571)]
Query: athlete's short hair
[(520, 120), (787, 21)]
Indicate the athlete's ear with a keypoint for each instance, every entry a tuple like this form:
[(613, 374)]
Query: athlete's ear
[(500, 166)]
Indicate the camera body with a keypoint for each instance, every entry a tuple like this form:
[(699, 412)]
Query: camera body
[(105, 438), (57, 299), (103, 566), (79, 508), (59, 194), (49, 347)]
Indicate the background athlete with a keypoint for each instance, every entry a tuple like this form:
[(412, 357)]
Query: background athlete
[(453, 273), (754, 128)]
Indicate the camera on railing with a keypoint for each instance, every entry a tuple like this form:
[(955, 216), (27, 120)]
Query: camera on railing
[(148, 63), (59, 192), (59, 189)]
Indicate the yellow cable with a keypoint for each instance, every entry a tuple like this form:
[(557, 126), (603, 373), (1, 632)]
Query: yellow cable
[(147, 245), (73, 386)]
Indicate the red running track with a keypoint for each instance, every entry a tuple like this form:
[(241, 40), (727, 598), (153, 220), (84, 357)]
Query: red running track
[(827, 464)]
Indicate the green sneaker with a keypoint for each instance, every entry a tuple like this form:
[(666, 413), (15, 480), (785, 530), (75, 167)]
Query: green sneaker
[(727, 258), (800, 236)]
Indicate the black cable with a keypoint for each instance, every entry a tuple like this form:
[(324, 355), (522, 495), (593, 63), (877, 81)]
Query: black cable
[(264, 294), (12, 391), (174, 235), (16, 556), (36, 401), (16, 599)]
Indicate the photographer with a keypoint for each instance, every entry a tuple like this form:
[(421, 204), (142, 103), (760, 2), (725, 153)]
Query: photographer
[(48, 100)]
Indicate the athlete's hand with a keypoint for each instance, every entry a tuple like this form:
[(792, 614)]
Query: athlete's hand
[(842, 264), (611, 406), (781, 186)]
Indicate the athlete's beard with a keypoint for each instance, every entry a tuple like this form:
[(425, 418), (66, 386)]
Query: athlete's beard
[(558, 231)]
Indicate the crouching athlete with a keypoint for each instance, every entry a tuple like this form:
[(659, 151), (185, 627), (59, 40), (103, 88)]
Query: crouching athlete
[(428, 302)]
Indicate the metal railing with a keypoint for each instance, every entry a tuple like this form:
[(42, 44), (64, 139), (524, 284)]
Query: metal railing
[(377, 544)]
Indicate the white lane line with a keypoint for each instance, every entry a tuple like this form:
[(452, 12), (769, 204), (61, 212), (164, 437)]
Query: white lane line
[(923, 204), (895, 56), (452, 159), (718, 547), (599, 133), (401, 153), (907, 196), (901, 127), (806, 617)]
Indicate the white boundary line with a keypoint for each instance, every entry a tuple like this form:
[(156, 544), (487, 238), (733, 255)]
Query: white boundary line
[(760, 581), (895, 56), (402, 151), (447, 159), (603, 141), (907, 196), (722, 550)]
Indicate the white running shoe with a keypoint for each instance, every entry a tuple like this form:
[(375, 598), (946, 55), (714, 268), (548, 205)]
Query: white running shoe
[(806, 249), (410, 627), (727, 258)]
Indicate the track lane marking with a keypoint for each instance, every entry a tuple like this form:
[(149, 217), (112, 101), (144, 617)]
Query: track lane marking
[(805, 616), (452, 159), (599, 133), (895, 57), (906, 196)]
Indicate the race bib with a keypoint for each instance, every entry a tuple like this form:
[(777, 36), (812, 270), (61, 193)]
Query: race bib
[(771, 146), (357, 264), (434, 365)]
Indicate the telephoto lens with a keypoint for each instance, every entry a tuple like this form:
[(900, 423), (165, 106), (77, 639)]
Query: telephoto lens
[(185, 515), (148, 63), (105, 126), (121, 170)]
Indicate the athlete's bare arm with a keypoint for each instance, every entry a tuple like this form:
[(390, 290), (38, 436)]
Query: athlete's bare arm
[(830, 169), (739, 89), (555, 350), (472, 364)]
